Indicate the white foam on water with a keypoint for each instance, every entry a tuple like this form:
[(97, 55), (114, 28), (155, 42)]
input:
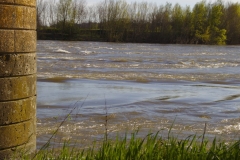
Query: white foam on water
[(134, 65), (87, 52), (62, 51), (103, 48), (235, 127)]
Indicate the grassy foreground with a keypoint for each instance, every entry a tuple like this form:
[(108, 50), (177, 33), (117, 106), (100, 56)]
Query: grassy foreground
[(151, 147)]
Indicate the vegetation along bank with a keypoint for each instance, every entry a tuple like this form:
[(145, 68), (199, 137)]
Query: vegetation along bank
[(144, 22)]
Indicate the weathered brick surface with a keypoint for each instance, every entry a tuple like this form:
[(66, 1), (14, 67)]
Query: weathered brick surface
[(31, 3), (12, 112), (26, 2), (17, 76), (17, 41), (7, 1), (14, 88), (25, 41), (6, 41), (17, 151), (16, 134), (17, 64), (17, 17), (25, 18)]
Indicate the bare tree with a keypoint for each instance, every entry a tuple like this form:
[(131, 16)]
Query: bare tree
[(92, 17), (64, 12), (41, 13), (52, 13), (80, 11)]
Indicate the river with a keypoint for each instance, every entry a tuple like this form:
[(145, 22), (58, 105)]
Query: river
[(145, 87)]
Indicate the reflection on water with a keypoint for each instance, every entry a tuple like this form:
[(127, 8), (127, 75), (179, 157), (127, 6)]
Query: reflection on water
[(143, 86)]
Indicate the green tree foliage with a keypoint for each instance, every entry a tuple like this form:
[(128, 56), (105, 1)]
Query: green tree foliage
[(186, 30), (217, 34), (200, 28), (114, 19), (232, 23), (119, 21), (161, 24), (165, 23), (178, 23)]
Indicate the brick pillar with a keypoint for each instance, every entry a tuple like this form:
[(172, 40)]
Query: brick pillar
[(17, 76)]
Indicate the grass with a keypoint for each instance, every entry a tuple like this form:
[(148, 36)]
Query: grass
[(151, 147)]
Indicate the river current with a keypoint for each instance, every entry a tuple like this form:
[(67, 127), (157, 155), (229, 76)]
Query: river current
[(122, 87)]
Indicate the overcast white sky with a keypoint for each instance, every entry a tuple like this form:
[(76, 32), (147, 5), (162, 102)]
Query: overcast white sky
[(183, 3)]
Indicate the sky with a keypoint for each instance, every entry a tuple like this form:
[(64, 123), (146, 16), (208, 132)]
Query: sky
[(183, 3)]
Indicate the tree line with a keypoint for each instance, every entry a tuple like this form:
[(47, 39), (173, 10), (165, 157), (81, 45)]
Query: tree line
[(119, 21)]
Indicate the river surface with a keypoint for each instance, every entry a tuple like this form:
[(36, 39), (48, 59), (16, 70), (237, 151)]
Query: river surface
[(122, 87)]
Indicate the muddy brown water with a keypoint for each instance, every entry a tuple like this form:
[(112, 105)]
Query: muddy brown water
[(140, 86)]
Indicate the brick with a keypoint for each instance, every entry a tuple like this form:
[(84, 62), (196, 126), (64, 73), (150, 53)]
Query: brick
[(17, 64), (17, 41), (26, 2), (29, 22), (17, 17), (14, 88), (17, 134), (6, 41), (12, 112), (25, 41), (17, 151), (18, 77), (19, 2), (7, 1)]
